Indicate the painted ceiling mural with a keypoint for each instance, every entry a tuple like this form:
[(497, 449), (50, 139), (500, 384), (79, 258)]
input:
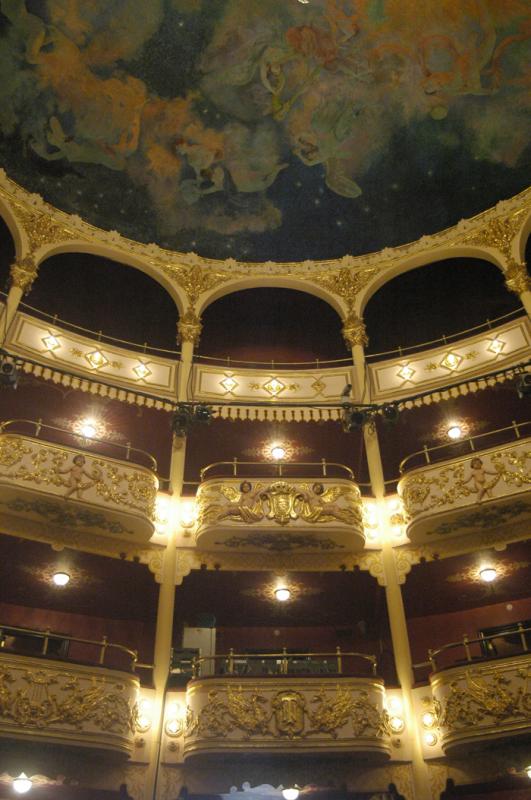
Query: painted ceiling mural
[(267, 129)]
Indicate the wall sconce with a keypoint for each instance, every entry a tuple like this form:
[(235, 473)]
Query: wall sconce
[(174, 725), (144, 720)]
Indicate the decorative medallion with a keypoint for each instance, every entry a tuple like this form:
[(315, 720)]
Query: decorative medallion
[(274, 387), (503, 570), (96, 359), (142, 371), (406, 372), (451, 361), (289, 708), (496, 346), (229, 384), (51, 342)]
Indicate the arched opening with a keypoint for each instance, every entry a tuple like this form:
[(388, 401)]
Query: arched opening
[(102, 295), (265, 324), (7, 254), (440, 299)]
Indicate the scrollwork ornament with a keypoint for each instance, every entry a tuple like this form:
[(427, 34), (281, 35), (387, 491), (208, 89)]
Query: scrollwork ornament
[(516, 277), (23, 273), (345, 283), (189, 328), (498, 233), (354, 331)]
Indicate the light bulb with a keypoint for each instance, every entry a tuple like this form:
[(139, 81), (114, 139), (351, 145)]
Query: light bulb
[(397, 724), (278, 452), (61, 578), (487, 574), (528, 771), (428, 719), (430, 738), (22, 784), (282, 594), (394, 704), (291, 793), (454, 432), (88, 428)]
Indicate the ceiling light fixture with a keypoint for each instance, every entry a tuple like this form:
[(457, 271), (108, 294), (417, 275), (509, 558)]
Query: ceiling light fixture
[(22, 784), (488, 574), (430, 738), (397, 724), (61, 578), (88, 428), (282, 594), (291, 793), (278, 452), (454, 432), (527, 770), (428, 719)]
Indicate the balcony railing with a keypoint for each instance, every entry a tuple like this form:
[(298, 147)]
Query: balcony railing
[(284, 663), (480, 648), (472, 444), (236, 468), (30, 641)]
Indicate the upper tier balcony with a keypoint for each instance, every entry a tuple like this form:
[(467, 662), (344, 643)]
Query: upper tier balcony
[(64, 690), (56, 485), (284, 703), (475, 490), (307, 507), (480, 688)]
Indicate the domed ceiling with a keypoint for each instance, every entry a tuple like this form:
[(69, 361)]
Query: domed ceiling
[(267, 129)]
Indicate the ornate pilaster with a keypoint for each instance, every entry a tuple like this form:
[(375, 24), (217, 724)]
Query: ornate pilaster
[(354, 332), (189, 328), (23, 273)]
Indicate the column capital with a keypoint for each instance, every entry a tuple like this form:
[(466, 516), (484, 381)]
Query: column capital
[(189, 327), (516, 277), (23, 272), (354, 331)]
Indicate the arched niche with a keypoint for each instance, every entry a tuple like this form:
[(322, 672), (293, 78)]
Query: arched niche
[(265, 324), (438, 299), (103, 295), (7, 254)]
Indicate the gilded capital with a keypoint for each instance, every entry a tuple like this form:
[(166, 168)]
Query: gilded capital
[(23, 273), (189, 328), (354, 330), (517, 278)]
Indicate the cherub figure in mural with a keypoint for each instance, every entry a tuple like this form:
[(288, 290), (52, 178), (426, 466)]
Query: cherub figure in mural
[(246, 505), (320, 505), (76, 473), (479, 479)]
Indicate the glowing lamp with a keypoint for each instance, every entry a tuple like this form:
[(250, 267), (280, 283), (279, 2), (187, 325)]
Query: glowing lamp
[(282, 594), (61, 578), (454, 432), (487, 574), (291, 793), (22, 784), (278, 452)]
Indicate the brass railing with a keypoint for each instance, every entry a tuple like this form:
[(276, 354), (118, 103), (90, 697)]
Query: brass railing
[(129, 453), (485, 642), (102, 647), (470, 441), (282, 663), (279, 468)]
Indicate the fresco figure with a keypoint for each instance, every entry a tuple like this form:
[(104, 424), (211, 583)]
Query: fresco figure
[(479, 479), (248, 506), (76, 473)]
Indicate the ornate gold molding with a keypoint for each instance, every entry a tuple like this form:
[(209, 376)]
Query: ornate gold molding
[(194, 279), (516, 277), (354, 331), (345, 283), (498, 233), (189, 327), (23, 272)]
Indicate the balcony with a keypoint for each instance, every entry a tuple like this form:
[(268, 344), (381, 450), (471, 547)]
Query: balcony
[(485, 694), (64, 690), (55, 485), (472, 492), (252, 510), (286, 703)]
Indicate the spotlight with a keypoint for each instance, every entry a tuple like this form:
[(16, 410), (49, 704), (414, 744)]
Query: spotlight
[(390, 412), (354, 420), (203, 413), (523, 385), (8, 374), (182, 419)]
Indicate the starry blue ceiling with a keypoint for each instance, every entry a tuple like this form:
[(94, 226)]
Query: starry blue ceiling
[(267, 129)]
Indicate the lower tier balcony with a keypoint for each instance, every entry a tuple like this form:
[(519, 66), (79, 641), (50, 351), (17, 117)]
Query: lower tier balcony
[(52, 698), (266, 704), (45, 485), (483, 696), (481, 490), (302, 508)]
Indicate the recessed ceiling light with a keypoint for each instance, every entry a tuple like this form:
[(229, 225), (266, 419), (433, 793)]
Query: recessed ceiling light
[(454, 432), (61, 578), (88, 428), (291, 793), (22, 784), (487, 574), (282, 594), (278, 452), (397, 724)]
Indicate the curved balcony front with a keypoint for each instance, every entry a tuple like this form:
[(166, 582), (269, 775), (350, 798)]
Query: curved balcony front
[(285, 704), (46, 485), (282, 514), (478, 702), (471, 493), (50, 699)]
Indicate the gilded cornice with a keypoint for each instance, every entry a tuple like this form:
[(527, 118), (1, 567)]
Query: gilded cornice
[(344, 278)]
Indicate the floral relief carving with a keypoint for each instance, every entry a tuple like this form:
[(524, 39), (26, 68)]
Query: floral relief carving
[(288, 714)]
